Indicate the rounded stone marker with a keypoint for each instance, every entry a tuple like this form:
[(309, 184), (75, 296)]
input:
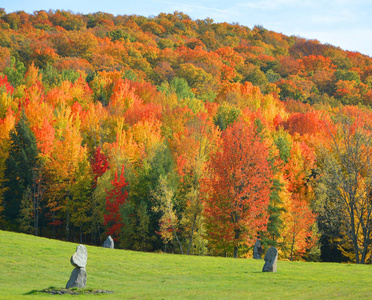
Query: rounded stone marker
[(80, 257)]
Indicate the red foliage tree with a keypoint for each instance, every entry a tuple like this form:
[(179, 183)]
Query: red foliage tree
[(100, 164), (237, 191), (114, 200), (304, 123), (5, 85)]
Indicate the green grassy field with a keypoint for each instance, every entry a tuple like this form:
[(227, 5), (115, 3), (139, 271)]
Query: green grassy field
[(30, 263)]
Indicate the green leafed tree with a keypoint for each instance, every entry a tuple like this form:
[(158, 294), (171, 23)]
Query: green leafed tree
[(141, 219), (15, 72), (169, 222)]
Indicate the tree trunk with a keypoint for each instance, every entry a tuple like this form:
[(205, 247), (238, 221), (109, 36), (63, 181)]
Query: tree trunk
[(37, 211), (293, 241), (68, 217), (34, 197), (237, 236), (179, 243), (94, 228), (175, 232), (356, 251), (54, 226), (354, 237), (235, 252), (35, 202), (191, 235), (363, 259), (366, 244)]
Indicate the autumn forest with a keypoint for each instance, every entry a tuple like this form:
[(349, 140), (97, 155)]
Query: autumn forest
[(184, 136)]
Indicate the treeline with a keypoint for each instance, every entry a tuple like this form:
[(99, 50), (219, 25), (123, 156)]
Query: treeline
[(183, 136)]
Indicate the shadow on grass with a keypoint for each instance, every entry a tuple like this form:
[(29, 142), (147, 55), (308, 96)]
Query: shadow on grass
[(50, 290), (33, 292), (73, 291)]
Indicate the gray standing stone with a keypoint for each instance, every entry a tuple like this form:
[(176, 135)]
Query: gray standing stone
[(78, 279), (79, 259), (78, 276), (109, 243), (271, 259), (257, 250)]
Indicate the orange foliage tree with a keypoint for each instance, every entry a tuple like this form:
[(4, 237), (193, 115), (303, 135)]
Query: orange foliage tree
[(236, 193), (299, 220)]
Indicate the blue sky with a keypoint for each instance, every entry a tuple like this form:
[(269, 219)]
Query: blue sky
[(343, 23)]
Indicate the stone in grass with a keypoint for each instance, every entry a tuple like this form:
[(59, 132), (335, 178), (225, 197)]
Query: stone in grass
[(78, 279), (109, 243), (271, 259), (257, 250), (80, 257)]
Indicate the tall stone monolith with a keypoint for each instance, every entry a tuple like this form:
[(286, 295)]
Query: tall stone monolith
[(257, 250), (78, 276), (271, 259)]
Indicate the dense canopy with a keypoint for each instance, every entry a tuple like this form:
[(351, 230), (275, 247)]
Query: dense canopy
[(183, 136)]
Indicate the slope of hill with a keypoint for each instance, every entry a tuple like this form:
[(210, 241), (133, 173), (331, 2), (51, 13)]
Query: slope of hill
[(31, 263)]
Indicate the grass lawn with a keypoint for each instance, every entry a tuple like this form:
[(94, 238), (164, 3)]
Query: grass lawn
[(30, 263)]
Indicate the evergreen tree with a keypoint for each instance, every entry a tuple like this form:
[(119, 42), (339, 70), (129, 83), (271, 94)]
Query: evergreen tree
[(20, 172)]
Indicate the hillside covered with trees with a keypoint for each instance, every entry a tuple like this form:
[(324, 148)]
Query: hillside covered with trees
[(184, 136)]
